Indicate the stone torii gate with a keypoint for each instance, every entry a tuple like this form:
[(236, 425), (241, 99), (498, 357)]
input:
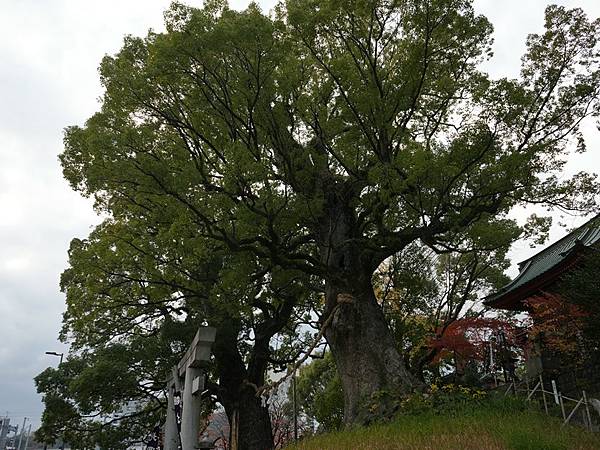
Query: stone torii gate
[(191, 369)]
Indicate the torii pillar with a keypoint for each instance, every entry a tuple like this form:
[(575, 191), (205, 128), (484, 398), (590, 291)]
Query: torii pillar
[(191, 367), (171, 432)]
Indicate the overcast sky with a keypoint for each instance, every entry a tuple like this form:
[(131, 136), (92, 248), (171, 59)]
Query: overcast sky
[(49, 54)]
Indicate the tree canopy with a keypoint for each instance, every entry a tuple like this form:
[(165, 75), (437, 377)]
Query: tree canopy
[(330, 136)]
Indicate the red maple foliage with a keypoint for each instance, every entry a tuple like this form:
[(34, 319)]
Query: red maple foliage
[(556, 321), (468, 338)]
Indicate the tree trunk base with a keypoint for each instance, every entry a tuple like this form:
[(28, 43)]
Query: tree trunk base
[(366, 354), (251, 421)]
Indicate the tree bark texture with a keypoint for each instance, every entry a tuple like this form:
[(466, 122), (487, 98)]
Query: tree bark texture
[(238, 395), (365, 352), (362, 344)]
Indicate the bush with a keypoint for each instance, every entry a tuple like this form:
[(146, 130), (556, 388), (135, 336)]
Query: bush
[(449, 399)]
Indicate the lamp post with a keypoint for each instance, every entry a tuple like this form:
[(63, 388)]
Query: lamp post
[(60, 362), (56, 354)]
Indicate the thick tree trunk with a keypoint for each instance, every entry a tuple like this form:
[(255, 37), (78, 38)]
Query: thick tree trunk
[(244, 409), (253, 422), (364, 349), (366, 355)]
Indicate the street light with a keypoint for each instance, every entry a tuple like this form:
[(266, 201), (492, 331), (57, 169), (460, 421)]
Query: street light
[(61, 358), (56, 354)]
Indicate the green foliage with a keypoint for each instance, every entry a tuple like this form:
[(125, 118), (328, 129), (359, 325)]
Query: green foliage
[(242, 125), (237, 152), (451, 398), (105, 397), (125, 326), (448, 399), (135, 297), (319, 393)]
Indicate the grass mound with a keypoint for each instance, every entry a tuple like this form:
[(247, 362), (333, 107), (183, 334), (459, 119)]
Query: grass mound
[(495, 424)]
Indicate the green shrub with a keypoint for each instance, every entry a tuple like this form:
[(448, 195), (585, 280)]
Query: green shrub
[(448, 399)]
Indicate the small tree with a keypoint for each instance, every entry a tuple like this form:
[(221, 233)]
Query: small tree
[(469, 341), (428, 296), (319, 393), (144, 292)]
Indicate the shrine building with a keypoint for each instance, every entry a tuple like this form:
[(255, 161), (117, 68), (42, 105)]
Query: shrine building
[(538, 279)]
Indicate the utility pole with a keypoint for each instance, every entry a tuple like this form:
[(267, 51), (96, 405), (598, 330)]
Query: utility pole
[(27, 438), (295, 406), (22, 431)]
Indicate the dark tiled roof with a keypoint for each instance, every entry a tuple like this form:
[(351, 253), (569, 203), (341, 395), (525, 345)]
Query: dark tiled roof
[(550, 257)]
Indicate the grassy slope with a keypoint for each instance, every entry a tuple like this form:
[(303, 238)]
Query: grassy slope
[(482, 428)]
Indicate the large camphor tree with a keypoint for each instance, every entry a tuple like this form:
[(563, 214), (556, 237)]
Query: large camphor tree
[(332, 135)]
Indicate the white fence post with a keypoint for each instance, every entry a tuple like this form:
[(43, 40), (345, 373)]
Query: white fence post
[(587, 411), (562, 406), (571, 413), (544, 394)]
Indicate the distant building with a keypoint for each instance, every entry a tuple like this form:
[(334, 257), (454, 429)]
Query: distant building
[(537, 284)]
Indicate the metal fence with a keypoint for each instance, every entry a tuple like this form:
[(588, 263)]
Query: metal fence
[(579, 409)]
